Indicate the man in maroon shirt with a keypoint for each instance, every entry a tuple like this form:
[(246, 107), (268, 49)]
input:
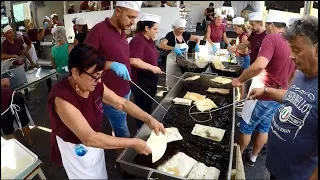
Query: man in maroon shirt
[(55, 20), (110, 39), (13, 47), (272, 68), (255, 38)]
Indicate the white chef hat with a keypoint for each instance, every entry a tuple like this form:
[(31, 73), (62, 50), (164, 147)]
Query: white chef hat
[(47, 18), (6, 28), (255, 16), (22, 28), (71, 4), (218, 15), (180, 23), (271, 18), (74, 19), (135, 5), (238, 21), (80, 21), (19, 34), (150, 17)]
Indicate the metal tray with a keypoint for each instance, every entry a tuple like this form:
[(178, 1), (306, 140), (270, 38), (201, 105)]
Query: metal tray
[(127, 156)]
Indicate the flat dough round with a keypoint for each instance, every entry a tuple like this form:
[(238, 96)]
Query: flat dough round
[(158, 145)]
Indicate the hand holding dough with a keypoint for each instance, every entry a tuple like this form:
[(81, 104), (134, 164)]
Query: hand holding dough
[(157, 144)]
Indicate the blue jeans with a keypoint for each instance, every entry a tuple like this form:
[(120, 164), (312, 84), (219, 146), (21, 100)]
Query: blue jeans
[(117, 119), (261, 117), (245, 61)]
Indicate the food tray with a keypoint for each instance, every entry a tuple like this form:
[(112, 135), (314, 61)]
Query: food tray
[(229, 66), (128, 158), (15, 158), (188, 63)]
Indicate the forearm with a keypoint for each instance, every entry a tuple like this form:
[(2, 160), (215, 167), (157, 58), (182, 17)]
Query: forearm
[(209, 40), (8, 56), (241, 46), (226, 40), (251, 72), (28, 48), (138, 63), (275, 94), (28, 56), (108, 65), (134, 111), (166, 47), (314, 174), (104, 141)]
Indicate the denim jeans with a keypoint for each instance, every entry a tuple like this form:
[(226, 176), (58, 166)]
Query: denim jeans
[(117, 119), (245, 61)]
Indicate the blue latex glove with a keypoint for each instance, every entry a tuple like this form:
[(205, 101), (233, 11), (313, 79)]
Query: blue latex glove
[(45, 24), (214, 48), (177, 51), (121, 70), (197, 48)]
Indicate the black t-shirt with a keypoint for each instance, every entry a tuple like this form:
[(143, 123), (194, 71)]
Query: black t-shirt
[(171, 38), (80, 37)]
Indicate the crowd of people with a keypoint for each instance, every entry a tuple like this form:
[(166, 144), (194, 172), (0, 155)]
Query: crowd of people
[(280, 62)]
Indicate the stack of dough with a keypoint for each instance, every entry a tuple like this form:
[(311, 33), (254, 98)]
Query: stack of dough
[(182, 101), (205, 105), (179, 165), (221, 80), (201, 171), (194, 96), (208, 132)]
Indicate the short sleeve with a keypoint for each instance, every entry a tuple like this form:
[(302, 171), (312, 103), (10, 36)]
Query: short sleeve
[(93, 37), (224, 28), (186, 36), (136, 48), (170, 38), (4, 48), (267, 47), (27, 40)]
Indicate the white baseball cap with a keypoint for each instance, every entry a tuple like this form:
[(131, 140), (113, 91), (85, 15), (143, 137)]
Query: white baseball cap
[(238, 21), (46, 17), (255, 16), (6, 28), (271, 18), (180, 23), (150, 17), (80, 21), (135, 5)]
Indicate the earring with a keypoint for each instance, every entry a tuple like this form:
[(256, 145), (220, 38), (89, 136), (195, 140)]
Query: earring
[(77, 87)]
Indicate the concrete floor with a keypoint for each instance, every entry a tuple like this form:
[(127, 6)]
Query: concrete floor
[(37, 105)]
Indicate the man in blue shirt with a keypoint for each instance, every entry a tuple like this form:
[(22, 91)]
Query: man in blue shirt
[(293, 136)]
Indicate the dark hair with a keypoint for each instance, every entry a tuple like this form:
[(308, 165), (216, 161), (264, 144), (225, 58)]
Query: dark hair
[(54, 16), (142, 24), (85, 28), (306, 26), (243, 27), (278, 25), (84, 57), (211, 4)]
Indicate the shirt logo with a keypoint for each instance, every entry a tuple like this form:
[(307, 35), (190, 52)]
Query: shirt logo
[(98, 103), (285, 113)]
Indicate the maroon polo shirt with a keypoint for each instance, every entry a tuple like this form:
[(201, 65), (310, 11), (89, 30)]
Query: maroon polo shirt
[(256, 41), (144, 49), (216, 34), (115, 47), (15, 48), (90, 108)]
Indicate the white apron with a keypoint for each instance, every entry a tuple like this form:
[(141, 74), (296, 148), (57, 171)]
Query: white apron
[(250, 104), (90, 166), (32, 52), (172, 67)]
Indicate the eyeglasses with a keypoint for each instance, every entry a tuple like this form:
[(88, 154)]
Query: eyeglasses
[(95, 78)]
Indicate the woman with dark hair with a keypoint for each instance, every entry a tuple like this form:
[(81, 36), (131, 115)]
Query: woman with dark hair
[(144, 61), (76, 115), (82, 31), (209, 12)]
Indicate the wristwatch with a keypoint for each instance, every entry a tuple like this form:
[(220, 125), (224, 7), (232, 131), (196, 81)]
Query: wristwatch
[(265, 90)]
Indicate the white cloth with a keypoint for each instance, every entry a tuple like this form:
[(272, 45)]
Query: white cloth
[(32, 52), (90, 166), (172, 67), (135, 5), (271, 18), (6, 28), (255, 16), (249, 105), (150, 17)]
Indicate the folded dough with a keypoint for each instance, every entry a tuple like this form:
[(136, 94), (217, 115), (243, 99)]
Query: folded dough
[(157, 144), (205, 105), (179, 165), (208, 132), (219, 90), (192, 78), (173, 134), (221, 80), (182, 101), (201, 171), (194, 96)]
